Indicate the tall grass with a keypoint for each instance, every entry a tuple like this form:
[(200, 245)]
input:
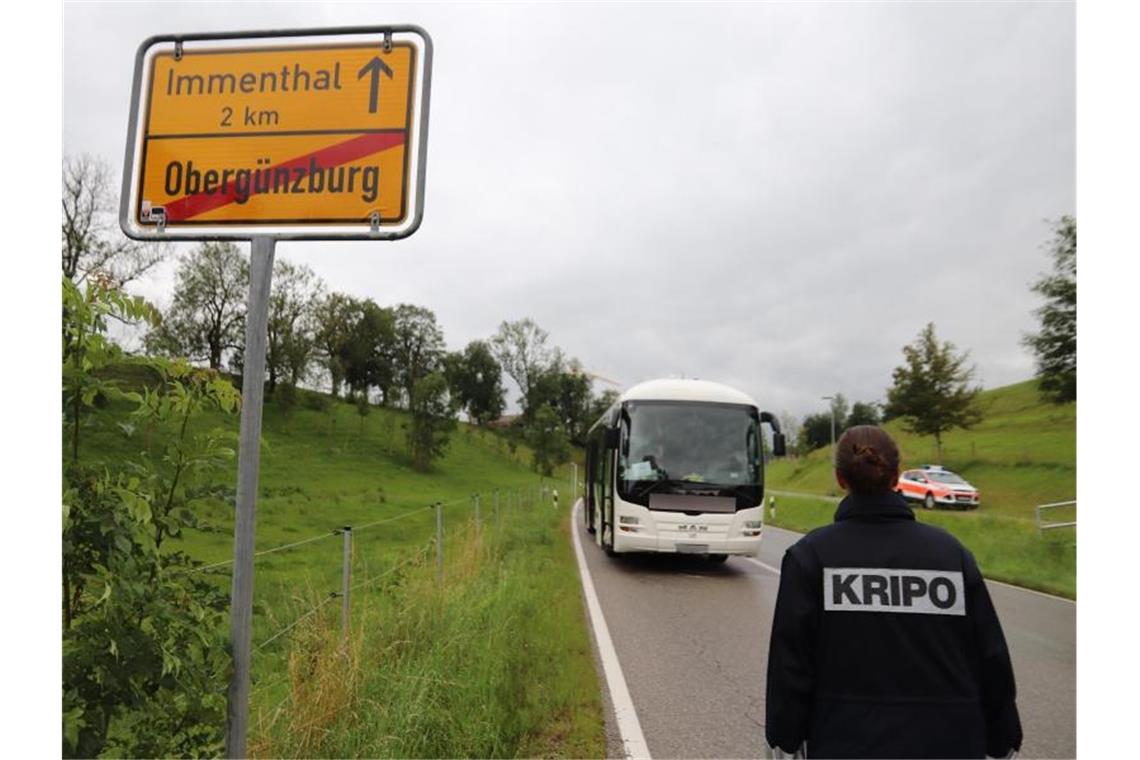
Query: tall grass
[(493, 662)]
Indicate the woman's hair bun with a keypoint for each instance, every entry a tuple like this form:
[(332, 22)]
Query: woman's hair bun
[(867, 459)]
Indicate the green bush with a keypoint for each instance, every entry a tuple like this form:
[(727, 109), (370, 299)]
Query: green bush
[(144, 649)]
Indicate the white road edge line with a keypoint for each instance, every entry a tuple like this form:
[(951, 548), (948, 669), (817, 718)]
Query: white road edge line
[(764, 565), (633, 741), (1054, 597)]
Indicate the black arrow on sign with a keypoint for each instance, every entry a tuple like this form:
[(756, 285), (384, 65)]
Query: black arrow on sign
[(375, 66)]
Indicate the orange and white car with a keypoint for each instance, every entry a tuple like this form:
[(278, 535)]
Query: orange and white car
[(933, 485)]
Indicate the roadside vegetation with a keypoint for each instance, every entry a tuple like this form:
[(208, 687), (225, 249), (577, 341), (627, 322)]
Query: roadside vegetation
[(495, 662), (149, 470)]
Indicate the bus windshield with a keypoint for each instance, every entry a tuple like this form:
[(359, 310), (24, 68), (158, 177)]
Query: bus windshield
[(677, 446)]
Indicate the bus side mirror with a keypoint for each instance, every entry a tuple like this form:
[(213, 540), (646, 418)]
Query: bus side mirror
[(779, 448), (611, 438)]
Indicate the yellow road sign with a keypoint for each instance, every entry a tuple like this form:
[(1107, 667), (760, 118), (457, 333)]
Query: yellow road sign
[(303, 137)]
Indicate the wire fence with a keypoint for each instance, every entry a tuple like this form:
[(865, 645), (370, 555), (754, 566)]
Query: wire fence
[(487, 509), (481, 509), (498, 500)]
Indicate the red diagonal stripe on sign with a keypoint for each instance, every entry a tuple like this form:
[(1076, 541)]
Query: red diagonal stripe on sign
[(334, 155)]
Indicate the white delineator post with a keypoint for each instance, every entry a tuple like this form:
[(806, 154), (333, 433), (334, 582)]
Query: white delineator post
[(249, 461)]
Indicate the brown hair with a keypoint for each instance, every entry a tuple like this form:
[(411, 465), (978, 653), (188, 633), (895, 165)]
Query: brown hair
[(867, 459)]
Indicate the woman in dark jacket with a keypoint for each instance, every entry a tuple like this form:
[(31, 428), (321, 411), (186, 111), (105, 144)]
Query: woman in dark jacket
[(885, 642)]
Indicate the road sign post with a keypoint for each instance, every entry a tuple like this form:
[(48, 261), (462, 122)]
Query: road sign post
[(301, 134), (249, 459)]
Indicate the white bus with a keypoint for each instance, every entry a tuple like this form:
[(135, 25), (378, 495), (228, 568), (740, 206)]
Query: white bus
[(678, 466)]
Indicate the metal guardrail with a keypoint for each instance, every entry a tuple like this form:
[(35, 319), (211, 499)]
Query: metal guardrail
[(1044, 526)]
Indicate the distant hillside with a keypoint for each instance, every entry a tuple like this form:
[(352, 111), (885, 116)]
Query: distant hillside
[(1024, 453)]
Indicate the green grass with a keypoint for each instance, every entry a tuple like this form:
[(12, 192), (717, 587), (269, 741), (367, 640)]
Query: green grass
[(322, 469), (1023, 454), (495, 662)]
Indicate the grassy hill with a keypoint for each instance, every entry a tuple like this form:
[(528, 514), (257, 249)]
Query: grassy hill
[(490, 644), (1022, 454)]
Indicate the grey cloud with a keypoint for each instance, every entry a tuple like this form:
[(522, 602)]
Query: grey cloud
[(779, 196)]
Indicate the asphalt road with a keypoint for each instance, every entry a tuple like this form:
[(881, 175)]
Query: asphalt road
[(692, 639)]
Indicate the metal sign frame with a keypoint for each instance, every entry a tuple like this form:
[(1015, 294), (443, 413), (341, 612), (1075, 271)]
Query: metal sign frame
[(417, 140)]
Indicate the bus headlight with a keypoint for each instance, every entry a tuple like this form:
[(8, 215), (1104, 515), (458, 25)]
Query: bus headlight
[(628, 524), (752, 528)]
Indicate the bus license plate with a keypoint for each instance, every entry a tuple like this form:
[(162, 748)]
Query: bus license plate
[(692, 548)]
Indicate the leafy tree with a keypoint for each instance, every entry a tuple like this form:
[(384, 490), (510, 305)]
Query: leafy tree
[(575, 392), (290, 334), (839, 409), (333, 317), (363, 408), (568, 391), (206, 321), (548, 440), (91, 241), (816, 431), (543, 391), (931, 390), (521, 349), (418, 346), (433, 420), (863, 413), (1055, 346), (367, 355), (86, 348), (475, 380)]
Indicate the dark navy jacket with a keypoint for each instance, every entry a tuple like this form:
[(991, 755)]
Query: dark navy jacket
[(885, 643)]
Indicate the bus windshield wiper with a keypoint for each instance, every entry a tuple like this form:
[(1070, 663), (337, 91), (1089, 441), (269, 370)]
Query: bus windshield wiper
[(653, 486)]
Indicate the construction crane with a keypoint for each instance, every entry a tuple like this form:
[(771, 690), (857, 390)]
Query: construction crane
[(596, 377)]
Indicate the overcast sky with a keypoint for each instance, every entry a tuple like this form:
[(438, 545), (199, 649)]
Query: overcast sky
[(773, 196)]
